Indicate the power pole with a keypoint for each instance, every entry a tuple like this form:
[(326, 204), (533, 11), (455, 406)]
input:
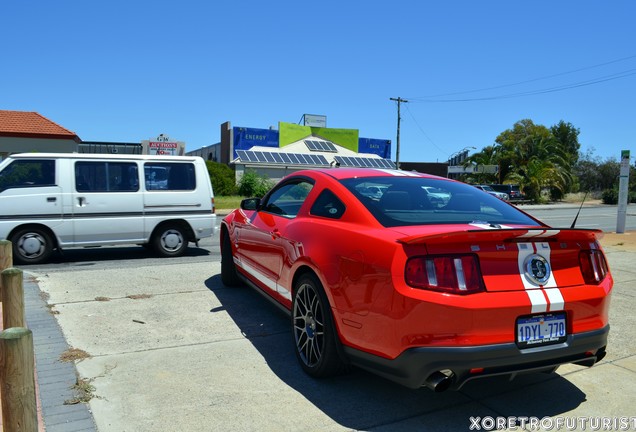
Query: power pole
[(399, 100)]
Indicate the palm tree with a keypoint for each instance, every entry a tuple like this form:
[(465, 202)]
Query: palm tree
[(486, 157)]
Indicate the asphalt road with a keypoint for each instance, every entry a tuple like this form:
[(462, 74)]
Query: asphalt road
[(123, 257), (597, 216)]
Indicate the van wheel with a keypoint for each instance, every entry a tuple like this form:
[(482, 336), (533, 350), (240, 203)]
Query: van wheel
[(228, 268), (170, 241), (31, 246)]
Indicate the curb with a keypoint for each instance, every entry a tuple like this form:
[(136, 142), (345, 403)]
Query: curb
[(55, 379)]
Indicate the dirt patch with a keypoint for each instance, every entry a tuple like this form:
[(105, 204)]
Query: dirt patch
[(139, 296), (73, 354), (625, 241)]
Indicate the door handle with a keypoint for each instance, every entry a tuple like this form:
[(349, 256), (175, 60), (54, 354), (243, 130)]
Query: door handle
[(81, 201), (51, 199)]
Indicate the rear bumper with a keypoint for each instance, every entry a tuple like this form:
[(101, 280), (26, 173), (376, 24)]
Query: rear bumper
[(414, 366)]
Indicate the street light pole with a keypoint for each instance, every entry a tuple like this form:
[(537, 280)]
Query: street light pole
[(397, 145)]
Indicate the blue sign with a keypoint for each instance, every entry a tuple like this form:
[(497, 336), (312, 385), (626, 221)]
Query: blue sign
[(380, 147), (246, 138)]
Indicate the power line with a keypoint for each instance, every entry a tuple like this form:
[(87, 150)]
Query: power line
[(530, 80), (422, 130), (612, 77)]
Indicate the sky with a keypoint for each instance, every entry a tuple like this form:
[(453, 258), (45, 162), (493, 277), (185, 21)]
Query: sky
[(127, 71)]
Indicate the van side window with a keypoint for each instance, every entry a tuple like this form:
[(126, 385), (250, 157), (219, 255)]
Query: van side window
[(106, 177), (28, 173), (169, 176)]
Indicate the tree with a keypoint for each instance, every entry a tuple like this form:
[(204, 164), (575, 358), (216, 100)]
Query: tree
[(568, 137), (486, 157), (532, 156)]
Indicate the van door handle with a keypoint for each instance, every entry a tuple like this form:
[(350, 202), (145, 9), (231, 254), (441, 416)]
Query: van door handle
[(81, 201), (51, 199)]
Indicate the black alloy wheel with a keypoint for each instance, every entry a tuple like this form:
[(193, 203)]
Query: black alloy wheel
[(315, 337)]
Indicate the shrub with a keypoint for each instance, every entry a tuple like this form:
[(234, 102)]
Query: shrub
[(254, 185), (222, 178), (610, 196)]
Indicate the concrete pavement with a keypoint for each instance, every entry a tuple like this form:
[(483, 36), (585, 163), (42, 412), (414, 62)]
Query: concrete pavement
[(173, 349)]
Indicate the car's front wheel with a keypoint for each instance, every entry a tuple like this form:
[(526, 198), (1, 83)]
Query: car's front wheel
[(31, 246), (314, 332)]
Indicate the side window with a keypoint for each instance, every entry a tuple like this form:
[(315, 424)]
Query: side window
[(106, 177), (169, 176), (328, 205), (28, 173), (288, 198)]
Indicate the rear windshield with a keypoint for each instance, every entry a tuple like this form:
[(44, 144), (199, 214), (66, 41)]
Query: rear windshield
[(401, 201)]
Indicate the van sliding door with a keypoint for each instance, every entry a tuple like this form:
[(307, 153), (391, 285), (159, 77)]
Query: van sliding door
[(107, 203)]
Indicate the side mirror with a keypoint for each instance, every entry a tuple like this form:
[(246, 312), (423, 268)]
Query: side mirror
[(250, 204)]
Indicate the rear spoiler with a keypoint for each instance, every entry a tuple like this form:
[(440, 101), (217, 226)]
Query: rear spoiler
[(509, 235)]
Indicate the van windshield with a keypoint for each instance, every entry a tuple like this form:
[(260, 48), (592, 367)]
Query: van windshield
[(28, 173)]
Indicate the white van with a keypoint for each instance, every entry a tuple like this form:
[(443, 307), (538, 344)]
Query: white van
[(56, 201)]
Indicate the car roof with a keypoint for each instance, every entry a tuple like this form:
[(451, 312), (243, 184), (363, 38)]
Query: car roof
[(345, 173)]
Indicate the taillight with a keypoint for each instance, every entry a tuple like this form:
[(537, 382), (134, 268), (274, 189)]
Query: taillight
[(457, 274), (593, 266), (213, 207)]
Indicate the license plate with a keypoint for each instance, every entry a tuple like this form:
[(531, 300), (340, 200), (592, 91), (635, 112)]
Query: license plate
[(541, 329)]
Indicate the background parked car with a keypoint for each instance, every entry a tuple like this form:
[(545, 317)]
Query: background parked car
[(501, 195), (513, 191)]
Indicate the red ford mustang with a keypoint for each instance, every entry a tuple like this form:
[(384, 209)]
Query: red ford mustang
[(426, 289)]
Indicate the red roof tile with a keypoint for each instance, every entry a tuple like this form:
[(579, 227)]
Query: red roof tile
[(31, 124)]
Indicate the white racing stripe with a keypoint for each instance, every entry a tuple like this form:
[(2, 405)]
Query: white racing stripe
[(543, 298), (556, 299), (539, 303), (269, 283), (399, 173)]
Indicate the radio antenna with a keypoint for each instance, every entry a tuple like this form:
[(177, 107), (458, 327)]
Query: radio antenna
[(577, 213)]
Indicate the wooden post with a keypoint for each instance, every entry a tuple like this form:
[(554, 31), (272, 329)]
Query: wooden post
[(17, 380), (12, 298), (6, 259)]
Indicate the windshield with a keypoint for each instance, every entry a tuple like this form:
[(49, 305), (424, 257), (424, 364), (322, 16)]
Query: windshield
[(401, 201)]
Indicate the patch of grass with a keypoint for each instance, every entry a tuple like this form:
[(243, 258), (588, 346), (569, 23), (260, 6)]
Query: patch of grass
[(228, 202), (73, 354), (139, 296)]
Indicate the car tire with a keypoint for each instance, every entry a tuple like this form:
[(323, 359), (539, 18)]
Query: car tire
[(170, 241), (315, 338), (229, 277), (31, 246)]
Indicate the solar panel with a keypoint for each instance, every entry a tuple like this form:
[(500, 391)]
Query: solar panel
[(325, 146), (349, 161), (388, 163), (279, 158)]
